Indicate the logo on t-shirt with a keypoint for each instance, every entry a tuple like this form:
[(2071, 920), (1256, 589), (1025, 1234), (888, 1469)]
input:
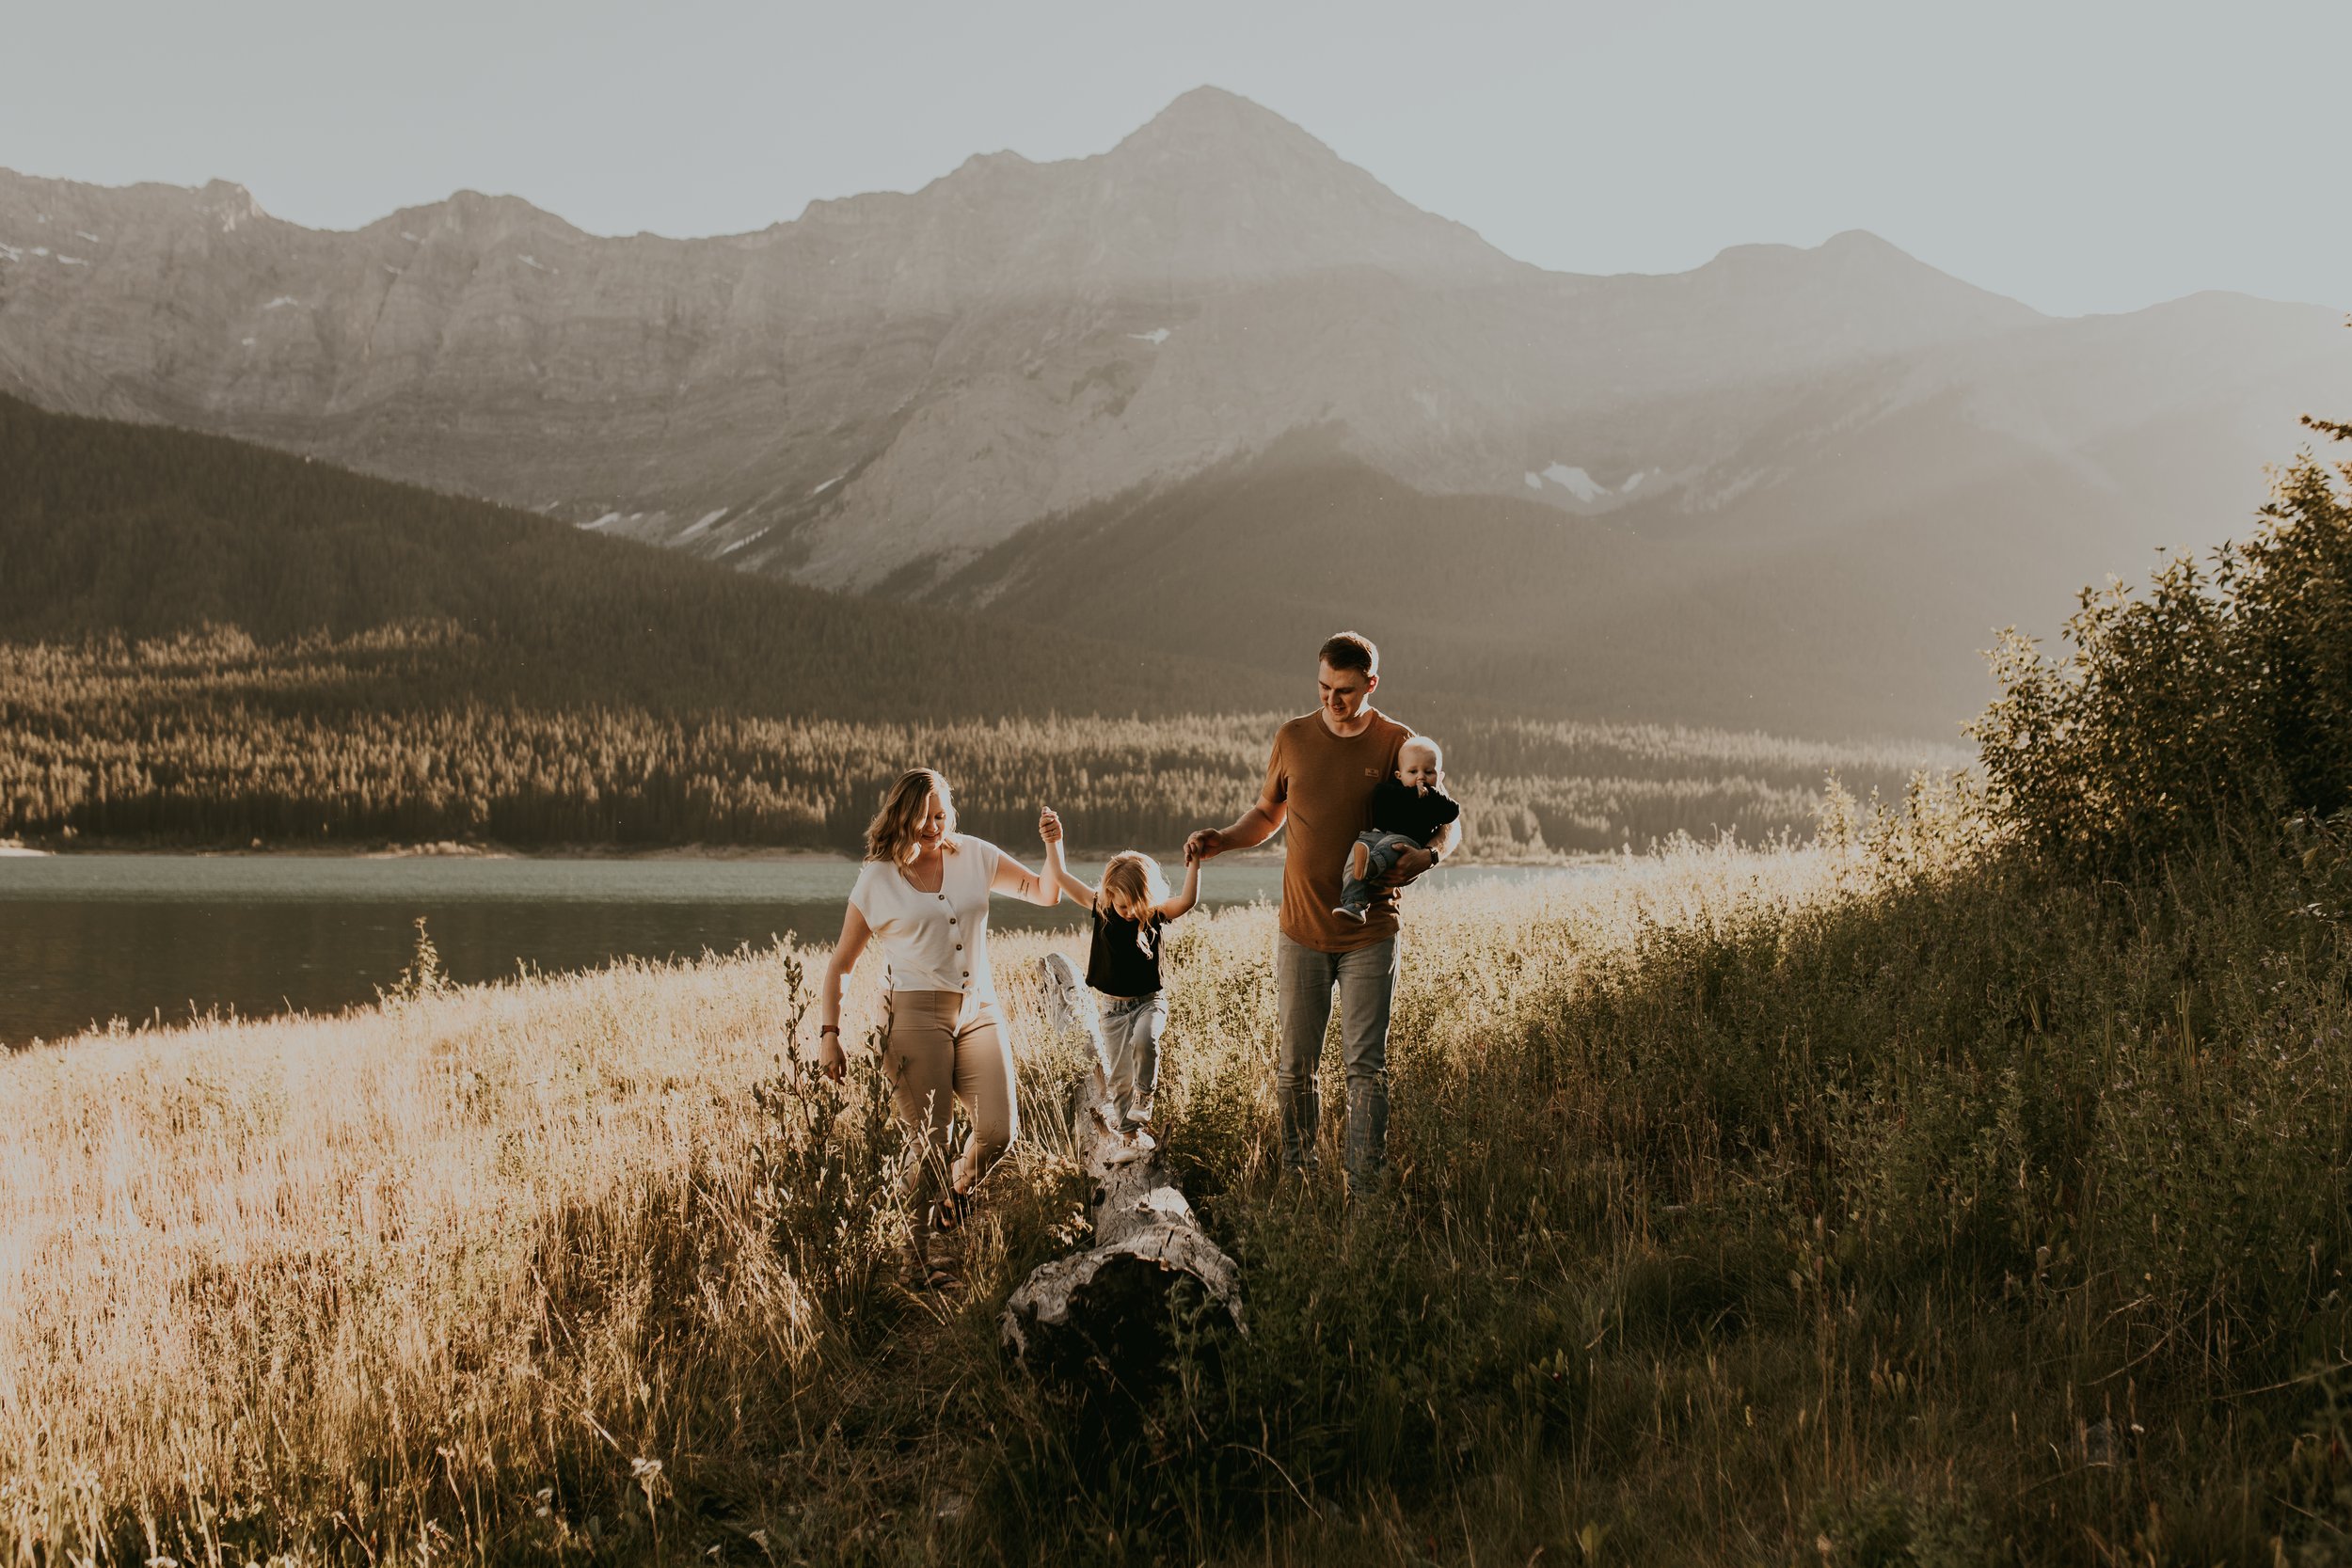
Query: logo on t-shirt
[(1372, 772)]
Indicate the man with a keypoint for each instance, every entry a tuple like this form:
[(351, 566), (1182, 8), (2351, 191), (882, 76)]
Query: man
[(1319, 783)]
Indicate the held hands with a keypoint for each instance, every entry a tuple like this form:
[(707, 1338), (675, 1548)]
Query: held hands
[(1048, 825), (1204, 844)]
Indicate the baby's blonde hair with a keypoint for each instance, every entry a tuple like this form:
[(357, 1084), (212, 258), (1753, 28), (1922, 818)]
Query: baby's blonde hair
[(1135, 876), (1437, 753)]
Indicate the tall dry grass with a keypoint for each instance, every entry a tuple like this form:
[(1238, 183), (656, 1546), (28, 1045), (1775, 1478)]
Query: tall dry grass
[(1886, 1203), (460, 1271)]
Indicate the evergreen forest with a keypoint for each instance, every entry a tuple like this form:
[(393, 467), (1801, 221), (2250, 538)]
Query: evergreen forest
[(207, 643)]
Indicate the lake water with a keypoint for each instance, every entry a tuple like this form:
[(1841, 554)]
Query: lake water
[(88, 938)]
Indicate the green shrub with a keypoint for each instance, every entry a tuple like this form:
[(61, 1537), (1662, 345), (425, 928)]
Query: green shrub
[(2222, 694)]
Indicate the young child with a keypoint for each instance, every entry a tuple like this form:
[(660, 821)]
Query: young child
[(1408, 808), (1131, 911)]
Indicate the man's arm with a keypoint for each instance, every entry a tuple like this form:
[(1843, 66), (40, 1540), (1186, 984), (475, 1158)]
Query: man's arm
[(1412, 862), (1246, 831)]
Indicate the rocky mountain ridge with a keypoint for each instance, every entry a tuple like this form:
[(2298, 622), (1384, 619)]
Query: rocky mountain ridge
[(892, 390)]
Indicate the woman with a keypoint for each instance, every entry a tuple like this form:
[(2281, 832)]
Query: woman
[(922, 896)]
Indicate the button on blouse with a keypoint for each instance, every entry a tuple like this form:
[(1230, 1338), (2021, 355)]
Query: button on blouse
[(921, 935)]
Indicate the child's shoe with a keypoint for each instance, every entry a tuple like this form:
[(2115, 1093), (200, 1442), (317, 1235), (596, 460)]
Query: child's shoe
[(1350, 912), (1359, 859)]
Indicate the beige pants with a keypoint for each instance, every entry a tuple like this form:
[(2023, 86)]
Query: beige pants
[(937, 1058)]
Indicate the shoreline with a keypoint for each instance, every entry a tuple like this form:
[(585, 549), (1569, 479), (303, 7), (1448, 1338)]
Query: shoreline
[(767, 854)]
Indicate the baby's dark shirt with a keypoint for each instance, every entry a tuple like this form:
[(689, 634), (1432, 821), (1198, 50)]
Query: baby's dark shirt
[(1398, 808)]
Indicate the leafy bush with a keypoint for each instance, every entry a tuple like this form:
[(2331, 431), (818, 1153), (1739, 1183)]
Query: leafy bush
[(2224, 692)]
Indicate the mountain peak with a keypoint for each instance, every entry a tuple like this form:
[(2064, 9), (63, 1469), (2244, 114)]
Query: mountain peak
[(1884, 294), (1212, 118), (1861, 240), (229, 202)]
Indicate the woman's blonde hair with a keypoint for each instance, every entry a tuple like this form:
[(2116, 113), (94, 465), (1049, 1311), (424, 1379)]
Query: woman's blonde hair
[(891, 835), (1136, 878)]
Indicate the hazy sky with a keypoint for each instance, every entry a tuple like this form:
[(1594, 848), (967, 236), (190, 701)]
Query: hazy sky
[(2079, 156)]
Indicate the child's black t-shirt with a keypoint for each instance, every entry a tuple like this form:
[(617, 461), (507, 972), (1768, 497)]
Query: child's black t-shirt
[(1119, 965), (1398, 808)]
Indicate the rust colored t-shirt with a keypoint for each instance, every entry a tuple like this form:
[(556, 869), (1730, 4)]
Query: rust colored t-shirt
[(1326, 783)]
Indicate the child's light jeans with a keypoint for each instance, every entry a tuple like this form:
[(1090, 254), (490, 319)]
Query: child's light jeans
[(1381, 850), (1130, 1032)]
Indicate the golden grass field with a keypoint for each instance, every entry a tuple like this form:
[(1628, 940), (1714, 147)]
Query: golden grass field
[(1835, 1206), (394, 1275)]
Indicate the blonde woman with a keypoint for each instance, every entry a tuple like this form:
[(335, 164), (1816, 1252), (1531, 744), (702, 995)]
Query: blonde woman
[(922, 898)]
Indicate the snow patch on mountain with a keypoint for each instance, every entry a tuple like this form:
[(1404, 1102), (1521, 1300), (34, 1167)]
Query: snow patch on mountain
[(745, 540), (1576, 482), (701, 525), (281, 300), (1535, 481)]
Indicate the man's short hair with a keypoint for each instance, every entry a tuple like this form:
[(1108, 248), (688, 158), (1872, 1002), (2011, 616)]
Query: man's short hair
[(1351, 650)]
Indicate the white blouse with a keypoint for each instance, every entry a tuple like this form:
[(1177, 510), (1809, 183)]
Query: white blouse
[(934, 940)]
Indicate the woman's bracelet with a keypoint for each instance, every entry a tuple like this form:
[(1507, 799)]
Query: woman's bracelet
[(824, 1029)]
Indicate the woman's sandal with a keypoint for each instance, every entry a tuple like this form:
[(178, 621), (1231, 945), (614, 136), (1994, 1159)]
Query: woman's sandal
[(944, 1261), (915, 1269), (926, 1265), (932, 1258)]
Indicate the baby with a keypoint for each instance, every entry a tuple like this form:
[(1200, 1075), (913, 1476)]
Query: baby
[(1408, 808)]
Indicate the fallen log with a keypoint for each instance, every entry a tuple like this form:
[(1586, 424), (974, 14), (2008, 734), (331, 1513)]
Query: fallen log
[(1111, 1305)]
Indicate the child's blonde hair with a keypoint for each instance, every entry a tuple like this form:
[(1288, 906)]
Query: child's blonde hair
[(1135, 877), (1437, 753)]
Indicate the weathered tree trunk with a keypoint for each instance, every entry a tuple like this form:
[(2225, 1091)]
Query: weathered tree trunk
[(1110, 1309)]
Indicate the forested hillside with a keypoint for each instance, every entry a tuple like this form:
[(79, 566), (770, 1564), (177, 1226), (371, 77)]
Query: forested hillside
[(108, 528), (207, 643), (211, 739)]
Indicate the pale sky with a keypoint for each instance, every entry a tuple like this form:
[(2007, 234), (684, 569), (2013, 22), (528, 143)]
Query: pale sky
[(2081, 157)]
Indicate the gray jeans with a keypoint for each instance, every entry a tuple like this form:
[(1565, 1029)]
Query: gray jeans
[(1130, 1029), (1303, 982), (1381, 850)]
